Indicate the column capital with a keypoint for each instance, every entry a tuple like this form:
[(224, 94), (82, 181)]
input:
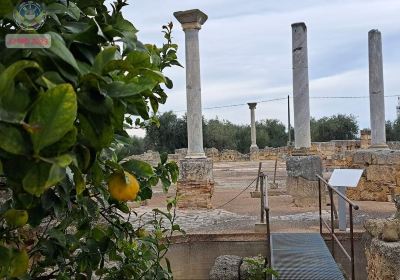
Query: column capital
[(252, 105), (191, 19), (299, 24), (374, 31)]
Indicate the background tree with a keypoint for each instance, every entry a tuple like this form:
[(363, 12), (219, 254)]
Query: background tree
[(338, 127), (276, 133), (393, 130), (170, 134), (220, 134)]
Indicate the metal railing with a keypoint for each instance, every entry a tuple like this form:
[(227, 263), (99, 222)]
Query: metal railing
[(331, 228), (265, 208), (268, 258)]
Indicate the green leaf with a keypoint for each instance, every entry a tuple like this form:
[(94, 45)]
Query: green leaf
[(163, 157), (50, 79), (59, 48), (104, 57), (62, 161), (121, 89), (54, 115), (154, 74), (58, 235), (74, 11), (79, 180), (42, 176), (13, 140), (5, 259), (95, 102), (139, 59), (166, 183), (140, 168), (8, 75), (14, 106), (61, 146), (97, 130), (6, 7)]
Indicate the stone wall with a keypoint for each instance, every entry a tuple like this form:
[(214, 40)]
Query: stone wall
[(393, 145), (334, 153), (381, 177), (382, 249)]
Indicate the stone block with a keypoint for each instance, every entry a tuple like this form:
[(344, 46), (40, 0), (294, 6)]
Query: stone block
[(305, 193), (386, 157), (382, 173), (383, 259), (196, 169), (304, 166), (391, 231), (362, 157), (374, 226), (226, 267)]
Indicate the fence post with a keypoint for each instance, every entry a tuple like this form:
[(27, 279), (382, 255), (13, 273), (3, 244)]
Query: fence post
[(262, 195)]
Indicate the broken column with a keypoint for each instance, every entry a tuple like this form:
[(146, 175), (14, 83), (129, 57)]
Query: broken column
[(376, 90), (253, 147), (302, 167), (195, 185)]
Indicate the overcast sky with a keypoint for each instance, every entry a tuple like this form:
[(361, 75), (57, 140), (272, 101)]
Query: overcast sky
[(245, 50)]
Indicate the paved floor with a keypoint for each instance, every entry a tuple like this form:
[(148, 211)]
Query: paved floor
[(242, 213)]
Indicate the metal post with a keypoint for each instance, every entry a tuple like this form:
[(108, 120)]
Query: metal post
[(262, 196), (332, 224), (320, 206), (352, 242), (268, 258), (289, 132), (258, 175), (342, 209), (276, 163)]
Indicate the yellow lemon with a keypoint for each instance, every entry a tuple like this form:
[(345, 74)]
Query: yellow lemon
[(123, 187), (19, 263), (16, 218)]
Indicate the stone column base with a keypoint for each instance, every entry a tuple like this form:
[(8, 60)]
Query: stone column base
[(196, 184), (302, 183), (193, 194), (254, 153)]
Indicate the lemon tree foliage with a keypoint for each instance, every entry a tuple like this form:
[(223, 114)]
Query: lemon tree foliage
[(63, 112)]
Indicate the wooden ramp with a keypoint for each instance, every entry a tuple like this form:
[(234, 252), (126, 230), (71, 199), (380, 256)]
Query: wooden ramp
[(303, 256)]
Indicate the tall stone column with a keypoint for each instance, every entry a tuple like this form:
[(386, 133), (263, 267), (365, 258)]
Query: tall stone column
[(195, 185), (192, 21), (302, 167), (252, 107), (301, 98), (253, 147), (376, 90)]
